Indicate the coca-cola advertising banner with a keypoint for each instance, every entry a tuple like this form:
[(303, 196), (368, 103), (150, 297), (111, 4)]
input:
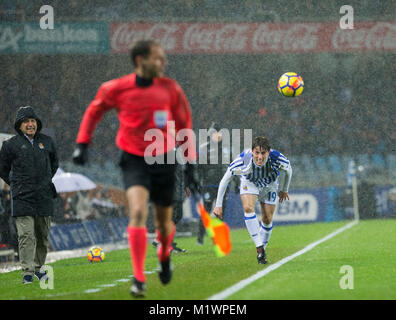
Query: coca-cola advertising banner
[(256, 37)]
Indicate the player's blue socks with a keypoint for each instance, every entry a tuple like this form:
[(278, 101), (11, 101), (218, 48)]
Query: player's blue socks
[(265, 233), (253, 227)]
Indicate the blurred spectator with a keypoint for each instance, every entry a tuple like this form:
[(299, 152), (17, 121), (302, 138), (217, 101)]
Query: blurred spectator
[(84, 208), (8, 233), (64, 212), (102, 204)]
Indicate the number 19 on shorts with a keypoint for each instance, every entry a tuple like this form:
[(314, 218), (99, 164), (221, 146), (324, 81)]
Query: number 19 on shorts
[(271, 196)]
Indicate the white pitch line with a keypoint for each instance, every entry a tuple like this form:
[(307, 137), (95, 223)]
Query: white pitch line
[(242, 284)]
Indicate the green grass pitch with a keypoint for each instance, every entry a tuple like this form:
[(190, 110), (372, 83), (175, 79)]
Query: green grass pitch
[(368, 247)]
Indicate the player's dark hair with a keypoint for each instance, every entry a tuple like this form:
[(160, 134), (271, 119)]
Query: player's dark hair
[(142, 48), (261, 142)]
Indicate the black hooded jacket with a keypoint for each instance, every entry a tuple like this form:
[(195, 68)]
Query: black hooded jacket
[(213, 170), (29, 169)]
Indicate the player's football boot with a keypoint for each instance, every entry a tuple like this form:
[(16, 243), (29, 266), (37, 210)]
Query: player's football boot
[(138, 288), (155, 243), (165, 271), (27, 279), (261, 256), (41, 276), (176, 249)]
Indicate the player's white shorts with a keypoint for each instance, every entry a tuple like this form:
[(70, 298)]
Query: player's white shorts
[(266, 194)]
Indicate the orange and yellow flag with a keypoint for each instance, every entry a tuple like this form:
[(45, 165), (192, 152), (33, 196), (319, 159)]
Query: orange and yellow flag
[(218, 230)]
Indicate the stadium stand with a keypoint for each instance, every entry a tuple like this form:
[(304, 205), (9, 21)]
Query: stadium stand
[(239, 90), (335, 164), (377, 161), (391, 164)]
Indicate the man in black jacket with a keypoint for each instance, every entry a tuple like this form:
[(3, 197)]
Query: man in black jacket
[(179, 195), (213, 150), (28, 161)]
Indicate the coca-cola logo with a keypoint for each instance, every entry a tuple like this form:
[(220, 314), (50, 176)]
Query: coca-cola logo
[(297, 37), (380, 36), (256, 38), (230, 37), (125, 34)]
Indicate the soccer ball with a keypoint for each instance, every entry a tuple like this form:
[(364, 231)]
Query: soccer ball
[(290, 84), (96, 254)]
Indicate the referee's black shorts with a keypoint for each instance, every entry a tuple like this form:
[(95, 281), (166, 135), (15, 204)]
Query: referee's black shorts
[(158, 179)]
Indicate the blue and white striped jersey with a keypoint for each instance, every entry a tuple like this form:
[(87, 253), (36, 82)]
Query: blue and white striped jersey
[(263, 175)]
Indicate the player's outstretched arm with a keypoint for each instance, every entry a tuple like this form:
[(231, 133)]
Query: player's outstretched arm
[(221, 191), (103, 102), (285, 178)]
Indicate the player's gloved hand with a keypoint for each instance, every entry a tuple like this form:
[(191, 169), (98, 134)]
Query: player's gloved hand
[(80, 154), (192, 176)]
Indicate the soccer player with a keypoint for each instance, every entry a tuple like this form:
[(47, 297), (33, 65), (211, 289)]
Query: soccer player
[(145, 100), (260, 169)]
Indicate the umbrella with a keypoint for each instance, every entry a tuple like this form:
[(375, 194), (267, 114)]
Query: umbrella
[(69, 182), (59, 171)]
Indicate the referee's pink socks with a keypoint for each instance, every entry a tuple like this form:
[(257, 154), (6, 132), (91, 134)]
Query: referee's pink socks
[(137, 238), (165, 244)]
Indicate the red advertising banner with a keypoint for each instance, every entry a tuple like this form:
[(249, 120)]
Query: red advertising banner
[(256, 37)]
